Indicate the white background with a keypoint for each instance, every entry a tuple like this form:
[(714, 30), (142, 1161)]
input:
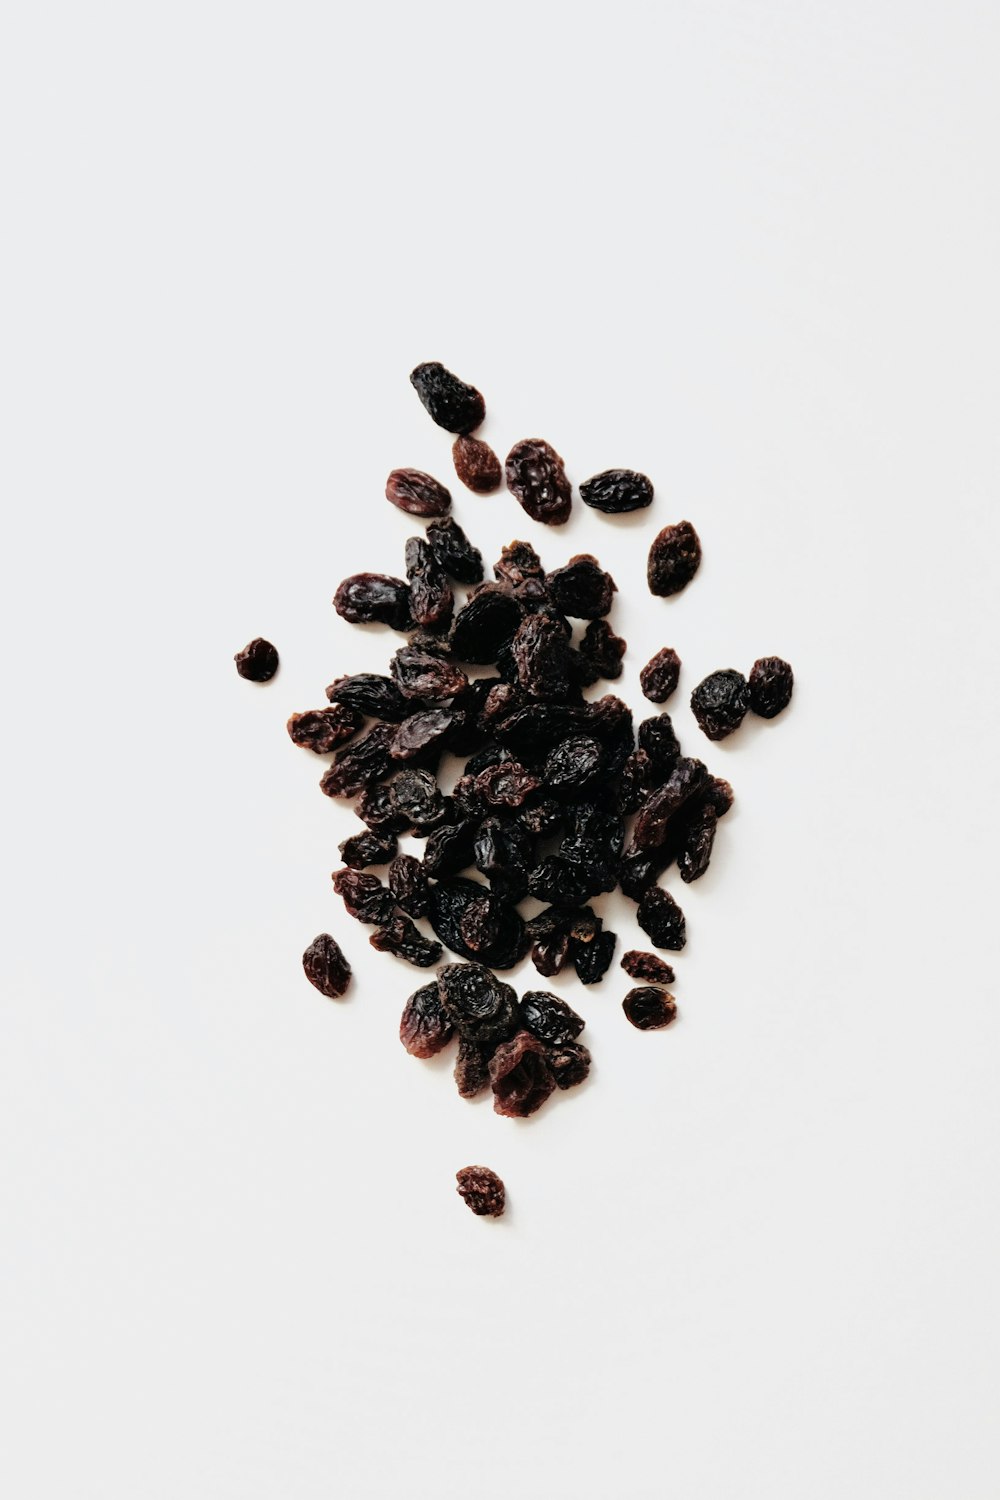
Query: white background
[(750, 249)]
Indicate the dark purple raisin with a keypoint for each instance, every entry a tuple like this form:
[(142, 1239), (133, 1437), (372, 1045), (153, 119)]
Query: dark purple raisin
[(365, 849), (408, 884), (652, 824), (326, 967), (638, 778), (549, 1018), (661, 919), (374, 598), (417, 493), (657, 736), (476, 465), (673, 559), (720, 703), (423, 731), (364, 896), (418, 798), (454, 552), (569, 1064), (449, 402), (479, 925), (649, 1009), (521, 1077), (482, 1190), (771, 683), (324, 728), (376, 808), (449, 904), (696, 842), (419, 673), (424, 1029), (542, 817), (572, 765), (616, 491), (367, 759), (602, 651), (472, 1068), (449, 848), (479, 1005), (484, 624), (431, 598), (400, 937), (549, 954), (582, 588), (506, 785), (647, 966), (517, 563), (592, 960), (368, 693), (660, 675), (541, 655), (258, 661), (537, 480)]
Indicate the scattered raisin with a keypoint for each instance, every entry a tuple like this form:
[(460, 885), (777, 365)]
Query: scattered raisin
[(537, 480), (431, 598), (417, 493), (450, 403), (367, 759), (326, 967), (592, 960), (673, 559), (325, 728), (569, 1064), (649, 1009), (521, 1077), (661, 919), (368, 693), (374, 598), (476, 465), (697, 839), (616, 491), (369, 848), (771, 682), (648, 966), (720, 703), (654, 820), (482, 1190), (454, 552), (582, 588), (258, 661), (660, 676), (401, 937)]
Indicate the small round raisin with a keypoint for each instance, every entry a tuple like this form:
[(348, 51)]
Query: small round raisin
[(617, 491), (649, 1009), (476, 465), (720, 703), (673, 559), (660, 675), (482, 1190), (326, 967), (258, 661), (417, 493), (771, 682)]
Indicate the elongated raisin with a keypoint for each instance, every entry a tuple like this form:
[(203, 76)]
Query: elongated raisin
[(521, 1077), (423, 731), (649, 1009), (419, 673), (673, 559), (660, 676), (258, 661), (417, 493), (326, 967), (771, 683), (365, 849), (401, 937), (472, 1068), (720, 703), (537, 480), (449, 904), (476, 465), (541, 655), (549, 954), (374, 598), (592, 960), (574, 764), (696, 841), (661, 919), (431, 599), (454, 552), (449, 848), (616, 491), (408, 884), (517, 563), (653, 821), (647, 966), (367, 759), (482, 1190), (368, 693), (449, 402), (325, 728), (364, 896), (424, 1029), (582, 588)]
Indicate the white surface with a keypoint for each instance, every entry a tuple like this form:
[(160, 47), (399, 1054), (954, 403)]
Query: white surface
[(749, 249)]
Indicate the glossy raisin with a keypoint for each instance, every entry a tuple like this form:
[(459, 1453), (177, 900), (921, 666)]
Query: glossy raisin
[(476, 465), (541, 656), (424, 1029), (325, 728), (369, 693), (431, 599), (661, 919), (376, 808), (364, 896), (582, 588), (326, 967), (549, 954), (647, 966), (720, 703), (409, 885), (660, 676), (482, 1190), (652, 824), (363, 850), (374, 598), (367, 759), (449, 848), (548, 1017), (454, 552), (771, 683), (572, 765), (484, 624), (521, 1077), (673, 559), (428, 675), (402, 938), (616, 491), (449, 402), (697, 839), (592, 960), (658, 738), (258, 661), (649, 1009), (450, 901), (422, 732), (417, 493), (537, 480), (517, 563), (479, 1005)]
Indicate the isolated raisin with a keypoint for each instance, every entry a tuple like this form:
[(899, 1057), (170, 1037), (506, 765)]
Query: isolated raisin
[(324, 728), (326, 967), (482, 1190), (537, 480), (408, 884), (649, 1009), (660, 675), (661, 919), (369, 693), (484, 624), (367, 759), (472, 1068), (771, 683), (582, 588), (401, 937), (569, 1064), (592, 960), (616, 491), (454, 552), (521, 1077), (424, 1029), (417, 493), (451, 403), (479, 1005), (647, 966), (258, 661), (720, 703), (602, 651), (365, 849), (374, 598), (431, 598), (364, 896), (476, 465), (673, 559), (548, 1017)]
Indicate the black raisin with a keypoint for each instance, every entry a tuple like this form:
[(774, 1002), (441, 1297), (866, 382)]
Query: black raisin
[(661, 919), (602, 651), (424, 731), (720, 703), (660, 675), (592, 960), (549, 954), (657, 736), (647, 966), (616, 491), (537, 480), (418, 798), (569, 1064), (406, 941), (258, 661), (549, 1018), (651, 825), (484, 624), (476, 465), (572, 765), (364, 896), (517, 563), (673, 559), (454, 552), (449, 848), (376, 808), (417, 493), (482, 1190), (356, 765), (649, 1009), (771, 682), (431, 598), (424, 1029), (409, 885), (369, 693), (365, 849), (449, 402), (324, 728), (478, 1004), (449, 903), (582, 588), (374, 598), (696, 842), (326, 967)]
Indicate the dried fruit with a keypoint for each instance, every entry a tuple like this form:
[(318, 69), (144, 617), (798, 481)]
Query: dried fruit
[(660, 675), (417, 493), (431, 598), (661, 919), (324, 728), (771, 683), (418, 798), (673, 559), (582, 588), (506, 785), (537, 480), (647, 966), (482, 1190), (517, 563), (540, 649), (696, 842), (367, 759), (654, 821), (649, 1009), (326, 967), (258, 661), (364, 896), (454, 552), (616, 491), (592, 960), (451, 403), (569, 1064), (472, 1068), (374, 598), (424, 1029), (476, 465), (428, 675), (409, 885), (369, 848), (424, 732), (479, 1005), (521, 1077), (401, 937), (368, 693), (720, 703), (484, 624), (658, 738), (549, 1018), (601, 652)]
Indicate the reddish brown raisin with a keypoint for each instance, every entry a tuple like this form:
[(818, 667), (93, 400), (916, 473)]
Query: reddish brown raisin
[(521, 1077), (325, 728), (402, 938), (472, 1068), (647, 966), (649, 1009), (771, 683), (364, 896), (660, 675), (569, 1064), (326, 967), (602, 651), (431, 598), (258, 661), (374, 598), (537, 480), (451, 403), (424, 1029), (408, 884), (661, 919), (482, 1190), (368, 848), (476, 465), (417, 493), (453, 550), (673, 559)]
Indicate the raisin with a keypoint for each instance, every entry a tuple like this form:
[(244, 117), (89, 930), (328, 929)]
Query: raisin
[(418, 798), (424, 1029), (549, 1018), (428, 675), (324, 728), (651, 826), (720, 794), (521, 1077), (720, 703), (673, 559), (573, 764), (364, 896), (403, 939), (592, 960), (449, 903), (449, 848), (365, 849), (616, 491), (431, 599), (417, 493), (661, 919), (482, 1190), (500, 701), (537, 480), (638, 777), (258, 661), (368, 693), (376, 808), (374, 598), (517, 563), (602, 651), (472, 1068), (408, 884), (356, 765), (648, 966), (568, 1063), (639, 869), (479, 1005), (506, 785), (502, 850), (479, 925), (696, 842), (582, 588), (549, 954), (476, 465), (649, 1009), (771, 682), (658, 738), (541, 655), (454, 552), (484, 624), (326, 967), (449, 402), (542, 817), (424, 731), (660, 675), (555, 879)]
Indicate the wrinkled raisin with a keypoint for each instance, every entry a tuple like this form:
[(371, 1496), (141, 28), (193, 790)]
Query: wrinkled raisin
[(325, 728), (374, 598), (449, 848), (369, 693), (376, 808), (506, 785), (658, 738), (537, 480), (367, 759), (592, 960), (478, 1004), (482, 1190), (417, 493), (720, 703), (617, 491), (423, 731), (649, 1009), (365, 849), (697, 839), (673, 559), (653, 821), (424, 1029), (484, 624), (517, 563), (541, 655), (364, 896), (326, 967), (602, 651), (418, 798), (568, 1063), (449, 402), (660, 676), (454, 552), (258, 661), (549, 1018), (431, 598), (582, 588), (549, 954), (476, 465), (449, 905), (521, 1077), (661, 919), (401, 937), (408, 884), (472, 1068), (429, 675), (771, 683), (648, 966), (573, 764)]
